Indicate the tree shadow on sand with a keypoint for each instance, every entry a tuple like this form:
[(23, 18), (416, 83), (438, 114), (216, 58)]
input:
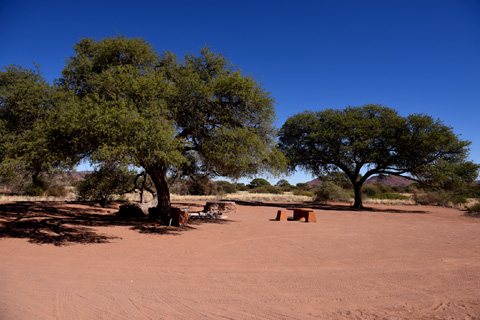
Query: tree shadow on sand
[(69, 223), (329, 207)]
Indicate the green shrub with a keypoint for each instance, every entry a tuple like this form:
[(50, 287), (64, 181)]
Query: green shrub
[(427, 198), (200, 186), (258, 182), (456, 198), (370, 191), (329, 191), (382, 188), (241, 186), (226, 187), (103, 184), (34, 191), (302, 186), (438, 198), (474, 208), (57, 191), (13, 182), (267, 189), (475, 190), (303, 193), (379, 191), (37, 188), (391, 196), (401, 189), (262, 189), (282, 183)]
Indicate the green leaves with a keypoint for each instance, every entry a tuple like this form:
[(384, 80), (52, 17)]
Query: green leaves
[(26, 110), (371, 137), (447, 175), (119, 103), (24, 97), (122, 98), (163, 113), (227, 116), (105, 182)]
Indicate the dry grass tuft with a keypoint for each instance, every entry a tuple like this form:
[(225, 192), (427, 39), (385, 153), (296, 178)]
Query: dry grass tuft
[(246, 196), (5, 198), (239, 196), (393, 202), (177, 197)]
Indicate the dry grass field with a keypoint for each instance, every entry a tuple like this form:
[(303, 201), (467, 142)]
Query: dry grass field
[(239, 196), (246, 196)]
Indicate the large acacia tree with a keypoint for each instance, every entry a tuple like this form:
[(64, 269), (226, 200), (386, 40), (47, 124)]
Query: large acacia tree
[(164, 114), (370, 140)]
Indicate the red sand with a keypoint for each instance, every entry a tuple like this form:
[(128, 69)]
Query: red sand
[(400, 262)]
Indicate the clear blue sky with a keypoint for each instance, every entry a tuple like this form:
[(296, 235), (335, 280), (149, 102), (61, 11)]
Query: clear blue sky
[(416, 56)]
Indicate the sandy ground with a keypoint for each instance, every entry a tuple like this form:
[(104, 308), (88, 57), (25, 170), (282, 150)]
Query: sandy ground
[(70, 261)]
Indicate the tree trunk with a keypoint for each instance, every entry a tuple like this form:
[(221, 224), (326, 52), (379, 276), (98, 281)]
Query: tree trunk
[(159, 178), (142, 188), (357, 187), (36, 178)]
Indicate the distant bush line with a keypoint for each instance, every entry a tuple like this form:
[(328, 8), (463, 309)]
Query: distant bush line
[(105, 184)]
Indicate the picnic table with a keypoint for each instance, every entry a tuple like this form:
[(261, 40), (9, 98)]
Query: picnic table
[(307, 215), (215, 209)]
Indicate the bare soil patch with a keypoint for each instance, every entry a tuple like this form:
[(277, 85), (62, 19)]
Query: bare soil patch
[(78, 261)]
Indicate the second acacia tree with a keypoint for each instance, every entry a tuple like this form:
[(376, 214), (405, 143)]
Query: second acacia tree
[(163, 114), (372, 140)]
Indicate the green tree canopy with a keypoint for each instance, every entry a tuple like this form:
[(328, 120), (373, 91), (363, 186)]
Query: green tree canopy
[(283, 183), (26, 109), (373, 138), (448, 175), (339, 178), (258, 182), (166, 114)]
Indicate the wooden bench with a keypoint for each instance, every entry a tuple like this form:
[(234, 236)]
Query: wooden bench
[(281, 215), (307, 215)]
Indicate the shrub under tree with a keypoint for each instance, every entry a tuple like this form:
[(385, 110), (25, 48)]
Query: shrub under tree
[(107, 181)]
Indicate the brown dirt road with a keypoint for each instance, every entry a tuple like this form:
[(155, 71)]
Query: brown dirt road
[(72, 261)]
